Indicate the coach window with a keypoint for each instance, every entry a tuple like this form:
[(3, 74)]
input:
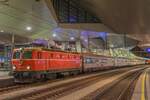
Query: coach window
[(88, 60)]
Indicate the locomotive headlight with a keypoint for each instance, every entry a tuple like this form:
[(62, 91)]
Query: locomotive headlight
[(14, 67), (28, 67)]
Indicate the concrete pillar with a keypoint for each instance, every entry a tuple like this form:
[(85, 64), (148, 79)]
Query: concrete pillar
[(12, 48)]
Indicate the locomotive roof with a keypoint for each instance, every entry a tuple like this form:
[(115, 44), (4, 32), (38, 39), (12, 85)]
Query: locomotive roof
[(46, 49)]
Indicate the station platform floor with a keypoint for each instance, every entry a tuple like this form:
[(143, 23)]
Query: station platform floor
[(142, 89), (5, 78), (5, 71), (4, 74)]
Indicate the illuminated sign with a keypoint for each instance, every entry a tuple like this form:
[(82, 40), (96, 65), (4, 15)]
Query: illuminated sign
[(103, 35), (147, 50)]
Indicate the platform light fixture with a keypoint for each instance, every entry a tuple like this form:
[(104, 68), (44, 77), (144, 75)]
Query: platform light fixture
[(2, 31), (112, 46), (86, 40), (148, 50), (28, 28), (54, 35), (72, 38)]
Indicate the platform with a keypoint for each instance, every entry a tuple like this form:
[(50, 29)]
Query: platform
[(142, 89), (4, 73), (5, 78)]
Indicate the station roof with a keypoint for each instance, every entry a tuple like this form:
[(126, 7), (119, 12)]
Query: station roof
[(123, 16), (6, 38), (96, 39), (31, 19), (27, 18)]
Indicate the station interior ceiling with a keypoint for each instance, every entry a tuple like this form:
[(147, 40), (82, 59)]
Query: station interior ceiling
[(6, 38), (123, 16), (17, 15)]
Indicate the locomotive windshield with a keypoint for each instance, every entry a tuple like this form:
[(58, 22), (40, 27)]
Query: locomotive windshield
[(27, 55), (16, 55)]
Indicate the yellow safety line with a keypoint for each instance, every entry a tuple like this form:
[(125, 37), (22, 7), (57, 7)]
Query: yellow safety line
[(143, 87)]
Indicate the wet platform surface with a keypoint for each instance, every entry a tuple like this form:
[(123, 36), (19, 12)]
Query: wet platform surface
[(142, 89), (5, 78)]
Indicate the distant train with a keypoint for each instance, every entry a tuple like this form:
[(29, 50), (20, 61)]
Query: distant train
[(147, 61), (31, 64)]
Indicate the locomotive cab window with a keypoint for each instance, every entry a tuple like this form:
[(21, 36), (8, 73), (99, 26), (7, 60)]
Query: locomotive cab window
[(27, 55)]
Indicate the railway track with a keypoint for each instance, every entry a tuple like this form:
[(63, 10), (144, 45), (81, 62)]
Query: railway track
[(120, 89), (64, 89), (11, 88), (57, 91), (17, 87)]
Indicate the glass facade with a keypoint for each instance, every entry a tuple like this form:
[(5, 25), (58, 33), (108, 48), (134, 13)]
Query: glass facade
[(69, 11)]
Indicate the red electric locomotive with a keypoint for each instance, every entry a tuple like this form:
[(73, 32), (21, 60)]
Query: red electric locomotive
[(29, 64)]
